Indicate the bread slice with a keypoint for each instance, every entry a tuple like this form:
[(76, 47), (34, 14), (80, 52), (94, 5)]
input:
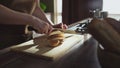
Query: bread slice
[(55, 38)]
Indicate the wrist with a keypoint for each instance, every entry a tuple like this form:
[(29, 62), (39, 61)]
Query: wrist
[(30, 20)]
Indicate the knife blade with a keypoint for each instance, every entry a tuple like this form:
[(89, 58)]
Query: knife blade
[(66, 30), (63, 30)]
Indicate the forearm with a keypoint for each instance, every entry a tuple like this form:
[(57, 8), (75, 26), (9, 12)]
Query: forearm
[(8, 16), (39, 13)]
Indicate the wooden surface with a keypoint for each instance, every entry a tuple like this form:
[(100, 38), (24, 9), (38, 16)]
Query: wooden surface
[(42, 50), (79, 56)]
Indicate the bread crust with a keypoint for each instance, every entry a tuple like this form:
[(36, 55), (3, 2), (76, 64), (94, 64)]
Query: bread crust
[(55, 38)]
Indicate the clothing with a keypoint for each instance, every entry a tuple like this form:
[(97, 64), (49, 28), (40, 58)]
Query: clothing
[(15, 34), (6, 3)]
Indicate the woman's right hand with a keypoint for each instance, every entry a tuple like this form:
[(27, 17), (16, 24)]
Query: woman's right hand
[(41, 26)]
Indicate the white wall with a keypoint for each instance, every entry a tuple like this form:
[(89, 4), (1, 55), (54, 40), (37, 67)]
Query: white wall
[(112, 7), (59, 10)]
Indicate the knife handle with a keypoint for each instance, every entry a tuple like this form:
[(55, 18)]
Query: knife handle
[(30, 28)]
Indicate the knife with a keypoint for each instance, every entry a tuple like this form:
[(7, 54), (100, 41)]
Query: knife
[(30, 28), (66, 30)]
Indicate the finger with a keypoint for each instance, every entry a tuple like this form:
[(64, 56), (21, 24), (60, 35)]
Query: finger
[(41, 32), (50, 30), (45, 31), (58, 25), (65, 26), (61, 25)]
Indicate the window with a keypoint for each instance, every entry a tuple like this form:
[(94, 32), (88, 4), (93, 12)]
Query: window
[(57, 11), (54, 10), (112, 7)]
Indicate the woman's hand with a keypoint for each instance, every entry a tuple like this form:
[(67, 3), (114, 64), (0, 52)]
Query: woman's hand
[(61, 25), (41, 26)]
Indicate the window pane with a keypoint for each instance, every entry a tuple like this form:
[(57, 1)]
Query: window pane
[(59, 4), (112, 6)]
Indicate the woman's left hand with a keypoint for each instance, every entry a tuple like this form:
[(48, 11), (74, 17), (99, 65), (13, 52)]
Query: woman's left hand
[(61, 25)]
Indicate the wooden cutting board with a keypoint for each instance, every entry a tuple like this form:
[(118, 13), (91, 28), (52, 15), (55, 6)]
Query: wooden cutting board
[(49, 53)]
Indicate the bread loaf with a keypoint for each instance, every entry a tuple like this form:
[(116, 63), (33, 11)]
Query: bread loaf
[(55, 38)]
